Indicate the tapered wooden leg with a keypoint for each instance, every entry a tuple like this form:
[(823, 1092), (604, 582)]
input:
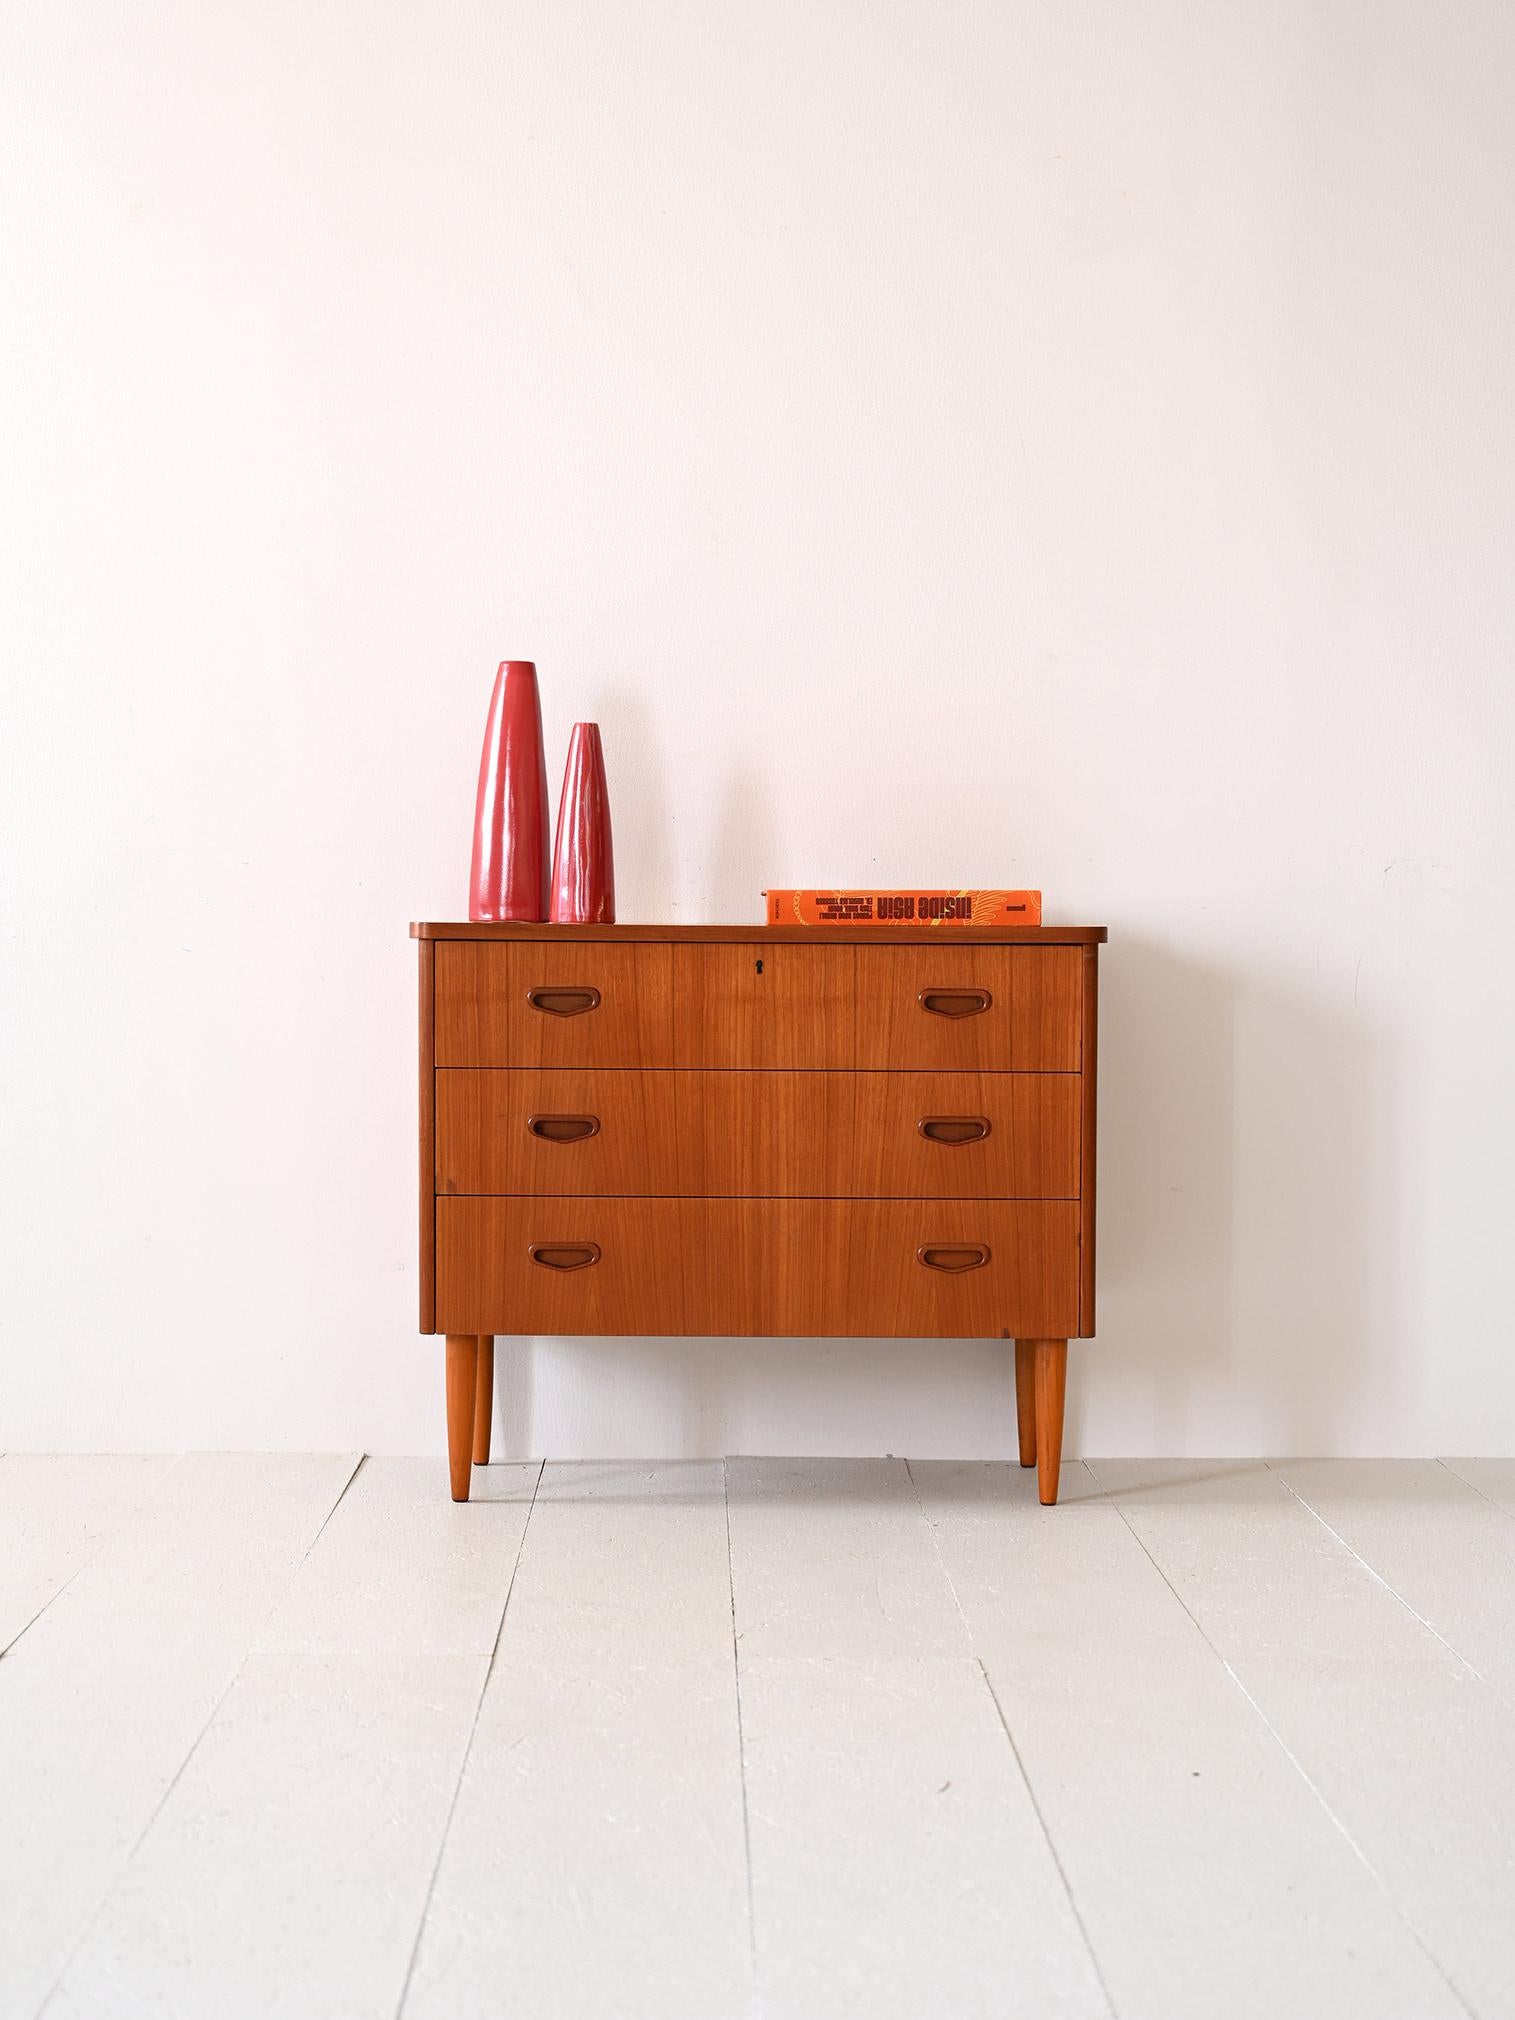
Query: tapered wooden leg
[(1025, 1399), (483, 1401), (462, 1388), (1051, 1373)]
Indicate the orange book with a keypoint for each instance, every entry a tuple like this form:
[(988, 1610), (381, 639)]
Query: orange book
[(904, 908)]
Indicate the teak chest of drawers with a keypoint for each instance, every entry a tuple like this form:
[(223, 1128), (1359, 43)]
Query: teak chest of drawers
[(761, 1131)]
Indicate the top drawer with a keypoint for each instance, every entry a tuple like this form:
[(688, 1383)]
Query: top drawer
[(553, 1003), (990, 1009), (756, 1005)]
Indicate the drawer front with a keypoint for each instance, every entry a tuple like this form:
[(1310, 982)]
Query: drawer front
[(863, 1135), (765, 1006), (756, 1005), (875, 1268), (987, 1008), (553, 1003), (518, 1003)]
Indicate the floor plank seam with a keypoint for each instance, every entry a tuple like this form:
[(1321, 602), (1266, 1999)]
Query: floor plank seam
[(741, 1738), (254, 1647), (1378, 1578), (1298, 1766), (1052, 1851), (457, 1790), (1499, 1506), (194, 1747), (137, 1843), (1015, 1752), (1334, 1685), (347, 1487), (107, 1536)]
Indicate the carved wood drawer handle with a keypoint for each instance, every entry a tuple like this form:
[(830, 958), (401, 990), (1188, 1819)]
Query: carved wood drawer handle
[(954, 1259), (563, 1128), (563, 1002), (954, 1128), (565, 1255), (955, 1002)]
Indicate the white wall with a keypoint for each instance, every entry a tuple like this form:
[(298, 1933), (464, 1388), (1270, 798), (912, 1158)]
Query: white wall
[(939, 442)]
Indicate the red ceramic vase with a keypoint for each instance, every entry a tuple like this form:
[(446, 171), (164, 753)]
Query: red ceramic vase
[(508, 877), (583, 865)]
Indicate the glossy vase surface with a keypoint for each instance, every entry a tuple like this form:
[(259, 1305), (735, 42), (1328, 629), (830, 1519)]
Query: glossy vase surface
[(583, 864), (508, 877)]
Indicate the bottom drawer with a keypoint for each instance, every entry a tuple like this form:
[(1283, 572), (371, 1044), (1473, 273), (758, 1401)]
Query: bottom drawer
[(906, 1269)]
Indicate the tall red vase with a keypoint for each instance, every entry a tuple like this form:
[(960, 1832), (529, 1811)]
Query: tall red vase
[(583, 863), (508, 876)]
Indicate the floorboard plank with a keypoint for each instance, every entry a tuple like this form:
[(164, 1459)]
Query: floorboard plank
[(55, 1512), (104, 1697), (990, 1758), (1438, 1542), (832, 1557), (1207, 1874), (898, 1863), (285, 1875), (899, 1867), (595, 1863), (1493, 1478), (401, 1567), (1409, 1749)]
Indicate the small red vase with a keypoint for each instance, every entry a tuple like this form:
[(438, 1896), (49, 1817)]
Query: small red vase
[(508, 876), (583, 863)]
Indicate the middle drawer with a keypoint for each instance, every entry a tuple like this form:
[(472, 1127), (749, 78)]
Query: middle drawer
[(692, 1134)]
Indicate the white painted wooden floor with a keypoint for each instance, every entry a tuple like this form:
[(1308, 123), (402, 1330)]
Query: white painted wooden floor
[(783, 1738)]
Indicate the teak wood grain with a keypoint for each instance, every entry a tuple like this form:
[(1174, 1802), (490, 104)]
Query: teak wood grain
[(1051, 1370), (1088, 1113), (755, 1006), (485, 1016), (1030, 1025), (1025, 1400), (462, 1399), (775, 1267), (989, 936), (483, 1404), (808, 1007), (867, 1135), (428, 1221), (719, 1130)]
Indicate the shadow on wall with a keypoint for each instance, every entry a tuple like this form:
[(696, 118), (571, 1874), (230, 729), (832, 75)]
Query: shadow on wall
[(641, 821), (1166, 1158), (1243, 1234), (1251, 1294)]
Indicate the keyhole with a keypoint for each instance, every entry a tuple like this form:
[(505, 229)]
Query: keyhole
[(760, 967)]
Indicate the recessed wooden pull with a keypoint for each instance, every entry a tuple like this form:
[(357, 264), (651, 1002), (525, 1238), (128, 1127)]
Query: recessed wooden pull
[(563, 1002), (565, 1255), (954, 1259), (955, 1002), (954, 1128), (563, 1128)]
